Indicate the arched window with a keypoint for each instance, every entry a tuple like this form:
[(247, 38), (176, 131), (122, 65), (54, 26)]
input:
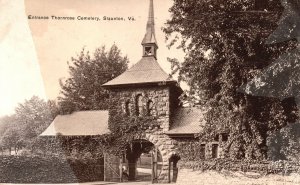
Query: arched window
[(149, 107), (127, 107), (139, 105)]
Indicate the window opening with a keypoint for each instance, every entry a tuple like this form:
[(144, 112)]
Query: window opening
[(202, 151), (215, 151), (127, 108), (150, 107), (148, 51), (216, 138), (225, 137), (139, 105)]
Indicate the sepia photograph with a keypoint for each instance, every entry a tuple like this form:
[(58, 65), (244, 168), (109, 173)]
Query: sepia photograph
[(140, 92)]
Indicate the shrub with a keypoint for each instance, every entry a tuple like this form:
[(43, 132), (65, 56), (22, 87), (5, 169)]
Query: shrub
[(29, 169)]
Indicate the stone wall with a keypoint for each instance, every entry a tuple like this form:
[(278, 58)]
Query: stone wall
[(167, 149), (262, 167), (159, 96), (192, 149), (163, 101)]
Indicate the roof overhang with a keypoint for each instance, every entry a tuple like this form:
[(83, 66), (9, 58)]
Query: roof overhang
[(182, 135), (147, 84)]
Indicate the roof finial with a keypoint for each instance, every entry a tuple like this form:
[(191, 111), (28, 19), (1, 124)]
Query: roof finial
[(150, 31)]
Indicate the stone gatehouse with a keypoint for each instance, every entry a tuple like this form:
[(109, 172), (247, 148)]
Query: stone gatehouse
[(144, 89)]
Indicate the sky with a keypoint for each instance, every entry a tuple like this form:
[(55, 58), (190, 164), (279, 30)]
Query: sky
[(34, 52)]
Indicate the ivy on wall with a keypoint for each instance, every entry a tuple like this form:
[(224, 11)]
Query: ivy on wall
[(127, 126), (262, 167)]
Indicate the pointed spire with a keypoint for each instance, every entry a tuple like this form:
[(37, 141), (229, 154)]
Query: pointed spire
[(149, 37)]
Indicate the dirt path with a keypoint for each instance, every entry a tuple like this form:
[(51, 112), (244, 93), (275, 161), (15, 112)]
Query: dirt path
[(190, 177), (89, 183)]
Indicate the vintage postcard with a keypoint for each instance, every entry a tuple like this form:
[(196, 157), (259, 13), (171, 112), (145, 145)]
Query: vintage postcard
[(149, 92)]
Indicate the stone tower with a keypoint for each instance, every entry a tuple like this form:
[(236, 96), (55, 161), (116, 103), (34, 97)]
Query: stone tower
[(147, 90)]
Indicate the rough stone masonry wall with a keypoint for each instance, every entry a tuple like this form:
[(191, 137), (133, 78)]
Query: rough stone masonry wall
[(194, 150), (167, 149), (160, 96)]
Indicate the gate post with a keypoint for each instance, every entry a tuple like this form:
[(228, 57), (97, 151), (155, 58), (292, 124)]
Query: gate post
[(121, 170), (154, 166), (132, 169), (104, 167)]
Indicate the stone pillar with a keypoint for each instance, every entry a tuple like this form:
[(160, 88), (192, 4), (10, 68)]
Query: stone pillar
[(175, 172), (164, 175)]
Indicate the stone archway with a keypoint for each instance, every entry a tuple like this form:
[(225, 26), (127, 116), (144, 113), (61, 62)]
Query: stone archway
[(167, 163), (166, 148), (139, 157)]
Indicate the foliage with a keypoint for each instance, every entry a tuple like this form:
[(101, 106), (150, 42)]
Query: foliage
[(34, 169), (81, 147), (262, 167), (130, 129), (9, 133), (34, 116), (31, 118), (12, 138), (126, 128), (225, 47), (284, 144), (83, 89), (281, 80), (190, 150)]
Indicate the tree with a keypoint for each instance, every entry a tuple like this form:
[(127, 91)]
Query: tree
[(34, 116), (281, 80), (4, 123), (11, 139), (10, 134), (83, 90), (31, 118), (234, 35)]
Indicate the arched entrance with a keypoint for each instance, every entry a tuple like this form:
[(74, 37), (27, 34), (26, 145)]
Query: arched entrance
[(142, 161)]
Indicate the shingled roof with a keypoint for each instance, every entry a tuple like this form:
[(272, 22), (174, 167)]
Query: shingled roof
[(147, 70), (83, 123), (186, 121)]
